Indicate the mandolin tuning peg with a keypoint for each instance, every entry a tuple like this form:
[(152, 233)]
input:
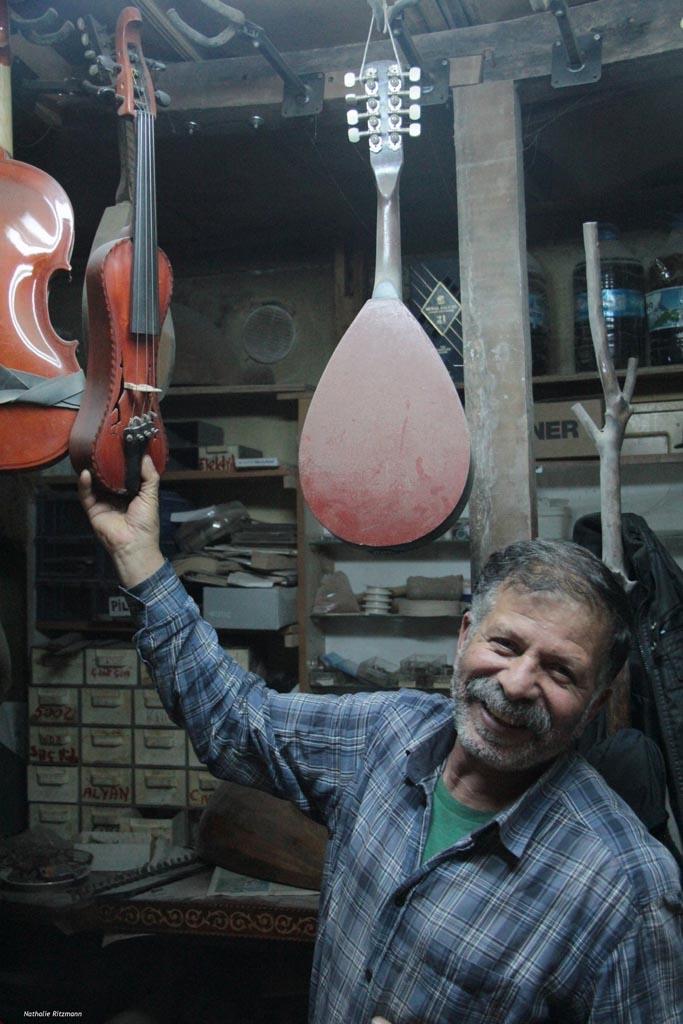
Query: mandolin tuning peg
[(162, 98), (352, 117), (354, 135), (414, 74), (349, 79)]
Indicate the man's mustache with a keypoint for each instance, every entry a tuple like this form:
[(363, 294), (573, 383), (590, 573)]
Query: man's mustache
[(529, 714)]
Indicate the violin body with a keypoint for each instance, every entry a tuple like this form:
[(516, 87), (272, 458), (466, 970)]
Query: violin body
[(108, 406), (36, 241), (128, 288)]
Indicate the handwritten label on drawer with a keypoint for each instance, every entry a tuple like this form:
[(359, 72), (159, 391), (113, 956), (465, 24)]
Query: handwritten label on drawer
[(106, 786), (51, 745), (200, 787), (107, 665), (52, 704), (149, 710)]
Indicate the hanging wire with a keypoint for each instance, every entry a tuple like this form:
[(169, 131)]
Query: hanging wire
[(387, 28), (365, 51)]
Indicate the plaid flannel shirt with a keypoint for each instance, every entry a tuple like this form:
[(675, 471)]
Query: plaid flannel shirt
[(563, 908)]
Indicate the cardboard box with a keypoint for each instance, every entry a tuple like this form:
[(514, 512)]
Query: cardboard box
[(655, 428), (245, 608), (558, 433), (214, 458)]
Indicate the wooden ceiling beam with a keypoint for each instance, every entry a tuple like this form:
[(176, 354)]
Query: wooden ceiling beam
[(513, 50)]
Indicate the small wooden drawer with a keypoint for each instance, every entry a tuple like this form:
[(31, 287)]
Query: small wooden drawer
[(61, 818), (192, 759), (111, 666), (104, 818), (100, 706), (53, 784), (160, 746), (149, 710), (160, 787), (53, 704), (145, 675), (49, 670), (200, 786), (53, 744), (106, 746), (106, 786)]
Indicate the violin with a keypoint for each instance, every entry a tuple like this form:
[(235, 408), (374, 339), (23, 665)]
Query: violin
[(129, 283), (40, 379), (116, 220), (384, 456)]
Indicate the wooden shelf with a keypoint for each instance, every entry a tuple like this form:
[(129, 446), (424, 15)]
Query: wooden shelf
[(200, 476), (660, 379), (626, 460), (196, 475), (401, 625), (285, 392), (72, 626)]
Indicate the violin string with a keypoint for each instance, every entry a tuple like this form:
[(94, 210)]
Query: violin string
[(155, 260), (149, 291)]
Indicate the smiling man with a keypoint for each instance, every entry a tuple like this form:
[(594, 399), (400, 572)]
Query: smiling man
[(478, 871)]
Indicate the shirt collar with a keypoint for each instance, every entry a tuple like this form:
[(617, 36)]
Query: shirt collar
[(516, 824)]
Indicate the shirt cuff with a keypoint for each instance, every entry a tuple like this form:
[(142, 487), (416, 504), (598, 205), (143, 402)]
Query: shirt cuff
[(158, 599)]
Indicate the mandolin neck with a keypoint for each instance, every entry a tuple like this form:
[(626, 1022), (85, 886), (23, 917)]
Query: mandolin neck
[(5, 82), (387, 166)]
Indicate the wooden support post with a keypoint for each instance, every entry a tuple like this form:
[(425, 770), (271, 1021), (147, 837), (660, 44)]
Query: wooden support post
[(497, 345)]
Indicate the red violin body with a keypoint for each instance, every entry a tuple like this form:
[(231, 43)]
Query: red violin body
[(36, 241), (117, 358)]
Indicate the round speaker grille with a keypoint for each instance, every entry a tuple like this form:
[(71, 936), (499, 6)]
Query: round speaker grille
[(268, 333)]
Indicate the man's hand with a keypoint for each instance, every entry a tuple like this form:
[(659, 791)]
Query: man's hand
[(130, 534)]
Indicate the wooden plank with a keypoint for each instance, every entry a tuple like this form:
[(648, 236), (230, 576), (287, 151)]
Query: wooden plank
[(514, 50), (497, 345)]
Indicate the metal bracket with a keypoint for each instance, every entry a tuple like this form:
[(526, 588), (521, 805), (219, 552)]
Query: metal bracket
[(434, 73), (303, 94), (576, 60), (47, 29), (296, 103)]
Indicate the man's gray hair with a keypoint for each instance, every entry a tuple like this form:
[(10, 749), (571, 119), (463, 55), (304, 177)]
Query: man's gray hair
[(562, 569)]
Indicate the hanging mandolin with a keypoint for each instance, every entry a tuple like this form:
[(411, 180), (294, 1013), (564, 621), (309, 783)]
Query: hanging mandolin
[(129, 283), (384, 456)]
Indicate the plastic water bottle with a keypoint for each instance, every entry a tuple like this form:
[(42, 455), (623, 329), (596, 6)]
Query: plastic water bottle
[(623, 304), (664, 300), (539, 317)]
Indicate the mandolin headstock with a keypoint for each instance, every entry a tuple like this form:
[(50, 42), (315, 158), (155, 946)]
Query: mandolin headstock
[(392, 109)]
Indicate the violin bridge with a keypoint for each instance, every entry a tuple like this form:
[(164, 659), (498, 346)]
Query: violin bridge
[(146, 388)]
